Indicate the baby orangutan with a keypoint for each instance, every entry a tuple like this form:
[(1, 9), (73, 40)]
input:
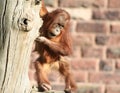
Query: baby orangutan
[(50, 48)]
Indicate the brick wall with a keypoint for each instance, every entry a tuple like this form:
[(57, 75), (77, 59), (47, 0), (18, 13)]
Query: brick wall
[(95, 27)]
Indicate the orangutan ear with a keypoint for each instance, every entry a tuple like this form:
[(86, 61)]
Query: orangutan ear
[(43, 10)]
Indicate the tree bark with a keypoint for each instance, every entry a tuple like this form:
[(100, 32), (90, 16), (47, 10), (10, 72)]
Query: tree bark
[(19, 26)]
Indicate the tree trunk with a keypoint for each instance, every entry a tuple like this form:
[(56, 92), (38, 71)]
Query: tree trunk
[(19, 26)]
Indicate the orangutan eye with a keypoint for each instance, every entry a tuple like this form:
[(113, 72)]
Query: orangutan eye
[(60, 25)]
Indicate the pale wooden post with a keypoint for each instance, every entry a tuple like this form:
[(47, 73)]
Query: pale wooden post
[(19, 26)]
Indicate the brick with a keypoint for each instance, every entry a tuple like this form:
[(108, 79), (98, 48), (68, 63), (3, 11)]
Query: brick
[(117, 66), (80, 13), (83, 39), (92, 27), (99, 3), (53, 3), (113, 89), (80, 76), (89, 89), (106, 65), (76, 52), (115, 28), (84, 64), (82, 3), (111, 40), (101, 39), (91, 52), (114, 40), (104, 78), (101, 14), (114, 4), (113, 52)]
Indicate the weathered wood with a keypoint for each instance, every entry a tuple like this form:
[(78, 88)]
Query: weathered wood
[(19, 26)]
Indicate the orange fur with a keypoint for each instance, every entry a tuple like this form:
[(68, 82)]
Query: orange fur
[(51, 46)]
